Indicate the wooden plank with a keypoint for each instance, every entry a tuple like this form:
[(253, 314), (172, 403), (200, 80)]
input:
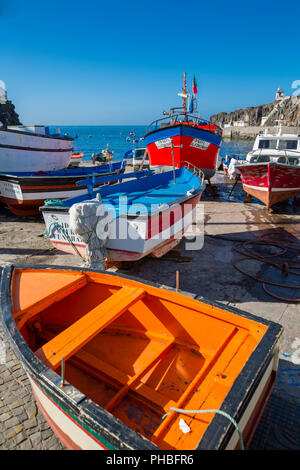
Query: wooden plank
[(124, 390), (115, 329), (103, 367), (152, 396), (159, 402), (189, 390), (23, 316), (181, 299), (69, 341)]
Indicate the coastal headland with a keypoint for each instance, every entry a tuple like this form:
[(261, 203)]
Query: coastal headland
[(247, 122)]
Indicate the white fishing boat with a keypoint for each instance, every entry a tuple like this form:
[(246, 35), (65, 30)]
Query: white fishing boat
[(33, 148), (274, 146)]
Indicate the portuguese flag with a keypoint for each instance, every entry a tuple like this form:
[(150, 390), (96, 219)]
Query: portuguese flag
[(195, 91)]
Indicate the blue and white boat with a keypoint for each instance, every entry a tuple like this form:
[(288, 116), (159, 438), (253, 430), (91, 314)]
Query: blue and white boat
[(146, 215)]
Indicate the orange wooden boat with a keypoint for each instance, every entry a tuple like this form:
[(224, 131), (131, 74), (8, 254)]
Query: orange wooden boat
[(111, 360), (76, 158)]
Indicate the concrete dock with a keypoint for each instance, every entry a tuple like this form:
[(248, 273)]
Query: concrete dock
[(207, 271)]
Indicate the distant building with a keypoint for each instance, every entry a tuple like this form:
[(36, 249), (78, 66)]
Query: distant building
[(236, 124), (239, 124)]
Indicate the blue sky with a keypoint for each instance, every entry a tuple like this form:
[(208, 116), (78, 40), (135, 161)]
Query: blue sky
[(95, 62)]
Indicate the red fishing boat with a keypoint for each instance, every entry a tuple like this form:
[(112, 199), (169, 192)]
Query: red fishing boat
[(271, 182), (181, 137), (272, 169)]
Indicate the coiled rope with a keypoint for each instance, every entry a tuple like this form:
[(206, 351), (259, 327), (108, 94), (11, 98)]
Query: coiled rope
[(252, 255)]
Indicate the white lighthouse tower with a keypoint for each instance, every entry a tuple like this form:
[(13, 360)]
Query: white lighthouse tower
[(3, 94), (279, 94)]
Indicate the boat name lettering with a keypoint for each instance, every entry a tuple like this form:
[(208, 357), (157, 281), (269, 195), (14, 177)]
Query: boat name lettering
[(160, 144), (59, 235), (199, 144), (10, 190)]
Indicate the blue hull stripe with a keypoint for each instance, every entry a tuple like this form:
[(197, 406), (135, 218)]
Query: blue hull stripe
[(182, 130)]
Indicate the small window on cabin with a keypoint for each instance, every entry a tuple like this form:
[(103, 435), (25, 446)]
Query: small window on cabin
[(267, 144), (139, 154), (287, 144)]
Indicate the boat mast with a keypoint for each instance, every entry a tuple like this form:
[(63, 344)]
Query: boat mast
[(184, 93)]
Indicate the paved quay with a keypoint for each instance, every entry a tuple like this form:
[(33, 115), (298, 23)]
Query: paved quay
[(207, 271)]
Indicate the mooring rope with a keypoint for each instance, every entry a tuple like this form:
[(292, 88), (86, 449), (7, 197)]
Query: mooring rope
[(223, 413), (254, 256)]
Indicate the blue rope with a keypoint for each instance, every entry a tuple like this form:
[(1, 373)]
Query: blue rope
[(53, 202)]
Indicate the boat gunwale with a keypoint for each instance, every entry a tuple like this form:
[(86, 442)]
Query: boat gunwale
[(229, 429), (38, 179), (41, 177), (19, 131), (273, 164), (165, 207), (184, 126), (148, 215), (218, 432)]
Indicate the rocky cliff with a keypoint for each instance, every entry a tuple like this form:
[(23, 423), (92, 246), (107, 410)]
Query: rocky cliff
[(264, 115), (8, 115)]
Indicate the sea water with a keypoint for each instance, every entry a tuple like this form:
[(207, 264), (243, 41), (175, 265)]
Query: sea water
[(93, 139)]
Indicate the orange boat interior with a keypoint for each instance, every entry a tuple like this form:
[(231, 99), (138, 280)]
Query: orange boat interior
[(134, 349)]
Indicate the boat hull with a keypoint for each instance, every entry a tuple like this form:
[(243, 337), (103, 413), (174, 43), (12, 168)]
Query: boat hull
[(72, 433), (155, 235), (251, 342), (194, 145), (24, 195), (270, 182), (75, 435), (27, 151), (76, 158)]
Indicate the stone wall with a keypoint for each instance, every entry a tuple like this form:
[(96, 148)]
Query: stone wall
[(250, 132)]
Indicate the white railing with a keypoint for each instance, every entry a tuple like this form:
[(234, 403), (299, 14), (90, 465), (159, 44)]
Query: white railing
[(197, 171)]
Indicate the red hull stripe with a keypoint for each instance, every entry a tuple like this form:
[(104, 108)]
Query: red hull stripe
[(130, 255), (167, 219)]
